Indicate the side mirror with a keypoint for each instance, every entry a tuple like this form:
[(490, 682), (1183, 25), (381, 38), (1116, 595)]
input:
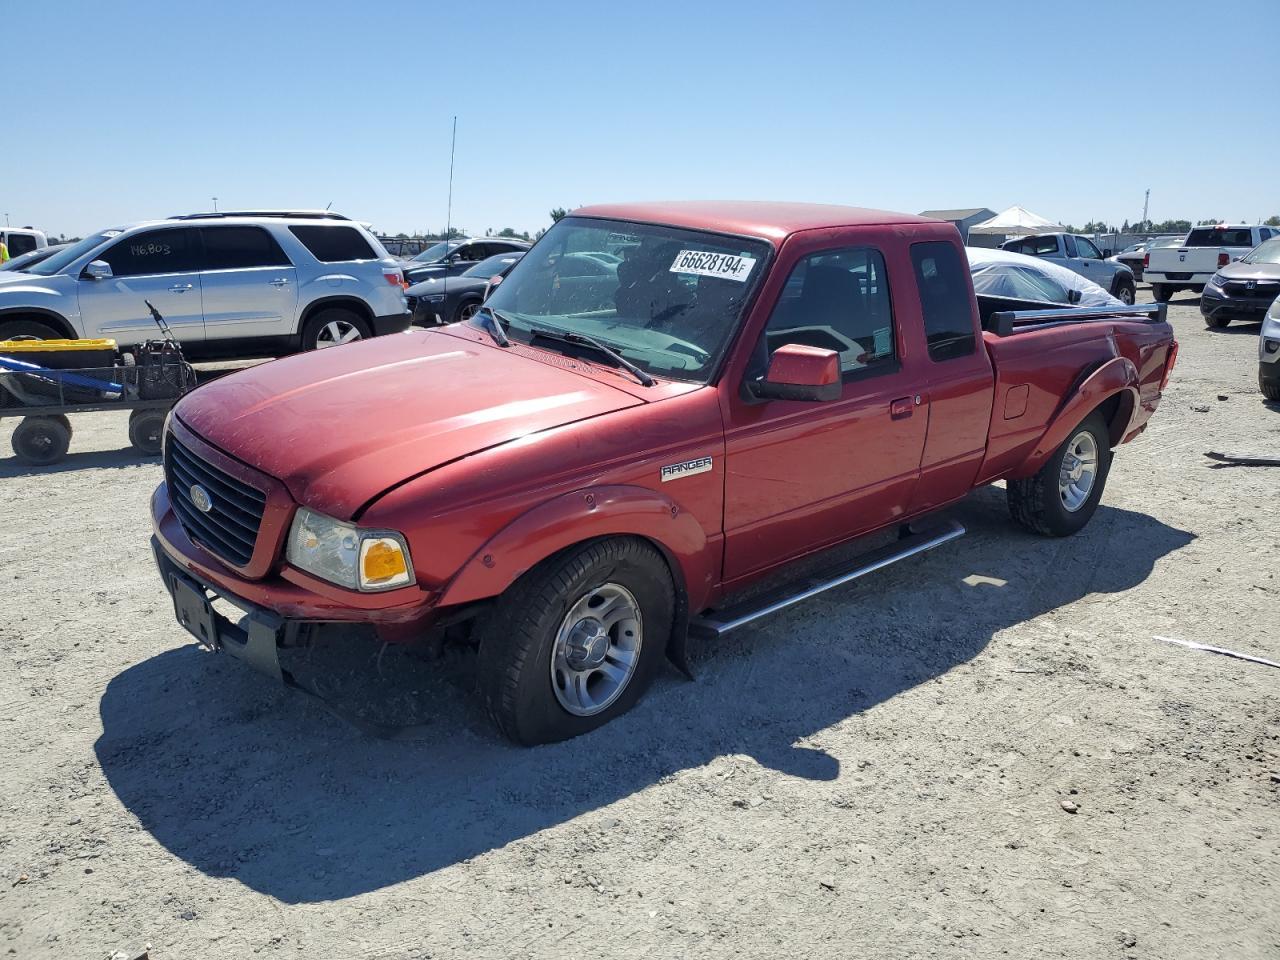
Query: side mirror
[(800, 372), (1073, 296), (97, 270), (492, 285), (1107, 252)]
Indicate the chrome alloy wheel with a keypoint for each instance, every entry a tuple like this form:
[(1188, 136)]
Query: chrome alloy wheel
[(597, 650), (1079, 471), (336, 332)]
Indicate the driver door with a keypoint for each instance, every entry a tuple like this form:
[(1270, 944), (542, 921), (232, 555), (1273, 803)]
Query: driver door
[(801, 475), (162, 266)]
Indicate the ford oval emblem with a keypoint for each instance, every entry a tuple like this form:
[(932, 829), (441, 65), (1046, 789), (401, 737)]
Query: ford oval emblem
[(200, 497)]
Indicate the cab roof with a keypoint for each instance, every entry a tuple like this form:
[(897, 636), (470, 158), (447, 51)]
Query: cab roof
[(752, 218)]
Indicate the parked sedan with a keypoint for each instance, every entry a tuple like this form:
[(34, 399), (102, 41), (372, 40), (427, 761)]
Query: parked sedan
[(451, 299), (455, 257), (1134, 255), (30, 259), (1244, 288)]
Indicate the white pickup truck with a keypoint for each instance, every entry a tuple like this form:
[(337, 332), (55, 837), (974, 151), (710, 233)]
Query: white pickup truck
[(1190, 265)]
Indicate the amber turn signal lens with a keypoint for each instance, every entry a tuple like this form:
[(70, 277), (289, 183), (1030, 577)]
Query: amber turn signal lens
[(383, 561)]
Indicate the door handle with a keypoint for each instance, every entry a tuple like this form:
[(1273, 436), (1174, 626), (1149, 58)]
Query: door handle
[(278, 282), (903, 407), (180, 288)]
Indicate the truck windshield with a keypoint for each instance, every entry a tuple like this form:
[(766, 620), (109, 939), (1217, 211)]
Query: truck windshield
[(437, 251), (47, 268), (667, 299)]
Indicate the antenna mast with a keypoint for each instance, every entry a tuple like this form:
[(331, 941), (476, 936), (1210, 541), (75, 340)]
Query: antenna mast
[(1145, 200), (448, 218)]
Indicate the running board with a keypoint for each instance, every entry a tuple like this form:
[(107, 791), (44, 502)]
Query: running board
[(717, 623)]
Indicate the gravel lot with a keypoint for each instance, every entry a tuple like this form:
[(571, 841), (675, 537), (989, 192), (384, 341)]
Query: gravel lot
[(883, 772)]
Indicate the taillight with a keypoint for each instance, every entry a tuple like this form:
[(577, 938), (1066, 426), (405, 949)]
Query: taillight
[(395, 278), (1224, 259), (1170, 359), (1146, 260)]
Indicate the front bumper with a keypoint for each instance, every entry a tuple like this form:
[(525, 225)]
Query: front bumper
[(285, 592), (392, 323), (1215, 303)]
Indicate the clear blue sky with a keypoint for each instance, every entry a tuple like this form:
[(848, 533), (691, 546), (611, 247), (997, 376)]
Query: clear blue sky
[(1072, 109)]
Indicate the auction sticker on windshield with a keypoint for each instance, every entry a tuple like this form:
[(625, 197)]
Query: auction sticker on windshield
[(724, 265)]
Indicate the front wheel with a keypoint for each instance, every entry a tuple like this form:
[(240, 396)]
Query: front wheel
[(575, 642), (1217, 321), (466, 311), (1061, 498), (1162, 292), (1126, 294)]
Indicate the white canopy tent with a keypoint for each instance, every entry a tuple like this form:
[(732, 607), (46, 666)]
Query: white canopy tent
[(1016, 222)]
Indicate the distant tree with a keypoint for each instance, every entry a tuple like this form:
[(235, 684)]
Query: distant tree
[(1124, 227), (402, 236), (1272, 221), (558, 214), (538, 235), (508, 232)]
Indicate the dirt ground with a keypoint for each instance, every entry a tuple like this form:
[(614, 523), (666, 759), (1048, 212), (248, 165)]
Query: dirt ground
[(881, 772)]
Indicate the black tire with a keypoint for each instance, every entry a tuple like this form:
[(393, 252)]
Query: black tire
[(319, 330), (518, 636), (465, 309), (1162, 292), (1125, 292), (1218, 321), (1037, 502), (1270, 389), (146, 431), (28, 330), (40, 441)]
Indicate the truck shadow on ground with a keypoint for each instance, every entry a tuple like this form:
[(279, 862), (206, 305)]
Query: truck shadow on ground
[(95, 459), (242, 779)]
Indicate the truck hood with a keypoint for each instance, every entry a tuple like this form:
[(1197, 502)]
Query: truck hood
[(340, 426)]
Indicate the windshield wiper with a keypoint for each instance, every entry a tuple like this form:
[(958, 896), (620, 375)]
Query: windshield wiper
[(581, 339), (493, 325)]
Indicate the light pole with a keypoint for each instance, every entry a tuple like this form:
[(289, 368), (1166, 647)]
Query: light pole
[(215, 204)]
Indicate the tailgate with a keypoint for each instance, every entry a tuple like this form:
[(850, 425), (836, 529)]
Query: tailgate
[(1184, 260)]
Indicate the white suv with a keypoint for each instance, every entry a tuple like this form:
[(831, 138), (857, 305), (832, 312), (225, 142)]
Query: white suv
[(241, 283)]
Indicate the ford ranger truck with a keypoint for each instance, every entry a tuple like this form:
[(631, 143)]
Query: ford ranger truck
[(1206, 250), (592, 468)]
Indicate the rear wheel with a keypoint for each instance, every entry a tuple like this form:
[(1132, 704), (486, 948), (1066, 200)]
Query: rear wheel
[(575, 642), (332, 328), (1162, 292), (1061, 498), (146, 429), (40, 441)]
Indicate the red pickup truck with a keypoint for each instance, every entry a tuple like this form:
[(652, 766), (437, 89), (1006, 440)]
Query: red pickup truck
[(659, 405)]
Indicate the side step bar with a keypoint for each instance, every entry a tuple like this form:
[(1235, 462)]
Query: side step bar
[(717, 623)]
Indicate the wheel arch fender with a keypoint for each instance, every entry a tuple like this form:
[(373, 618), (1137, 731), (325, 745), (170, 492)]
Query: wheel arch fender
[(589, 514), (40, 315), (345, 301), (1112, 387)]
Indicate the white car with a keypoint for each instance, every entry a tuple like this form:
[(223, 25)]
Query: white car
[(247, 284), (1205, 250), (1017, 276)]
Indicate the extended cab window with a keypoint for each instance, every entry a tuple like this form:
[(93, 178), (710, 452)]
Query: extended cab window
[(1036, 246), (20, 243), (334, 244), (154, 251), (944, 300), (1086, 248), (837, 300), (233, 248)]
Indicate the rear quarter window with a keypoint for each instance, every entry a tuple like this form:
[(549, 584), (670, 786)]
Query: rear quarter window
[(20, 243), (334, 244), (944, 300)]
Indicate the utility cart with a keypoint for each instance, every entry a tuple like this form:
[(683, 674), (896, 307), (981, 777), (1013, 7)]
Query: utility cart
[(42, 381)]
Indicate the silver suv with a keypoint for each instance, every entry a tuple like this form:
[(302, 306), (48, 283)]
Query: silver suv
[(242, 283)]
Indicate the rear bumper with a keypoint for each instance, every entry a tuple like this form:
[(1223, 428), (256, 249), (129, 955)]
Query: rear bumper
[(1243, 308), (392, 323), (1177, 279)]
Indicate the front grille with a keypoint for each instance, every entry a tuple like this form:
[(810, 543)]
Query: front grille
[(229, 527), (1262, 288)]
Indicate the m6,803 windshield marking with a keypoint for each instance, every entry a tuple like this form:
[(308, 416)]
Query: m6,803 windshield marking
[(727, 266)]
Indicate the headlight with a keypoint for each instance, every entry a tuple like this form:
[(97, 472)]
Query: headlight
[(352, 557), (1217, 280), (435, 298)]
